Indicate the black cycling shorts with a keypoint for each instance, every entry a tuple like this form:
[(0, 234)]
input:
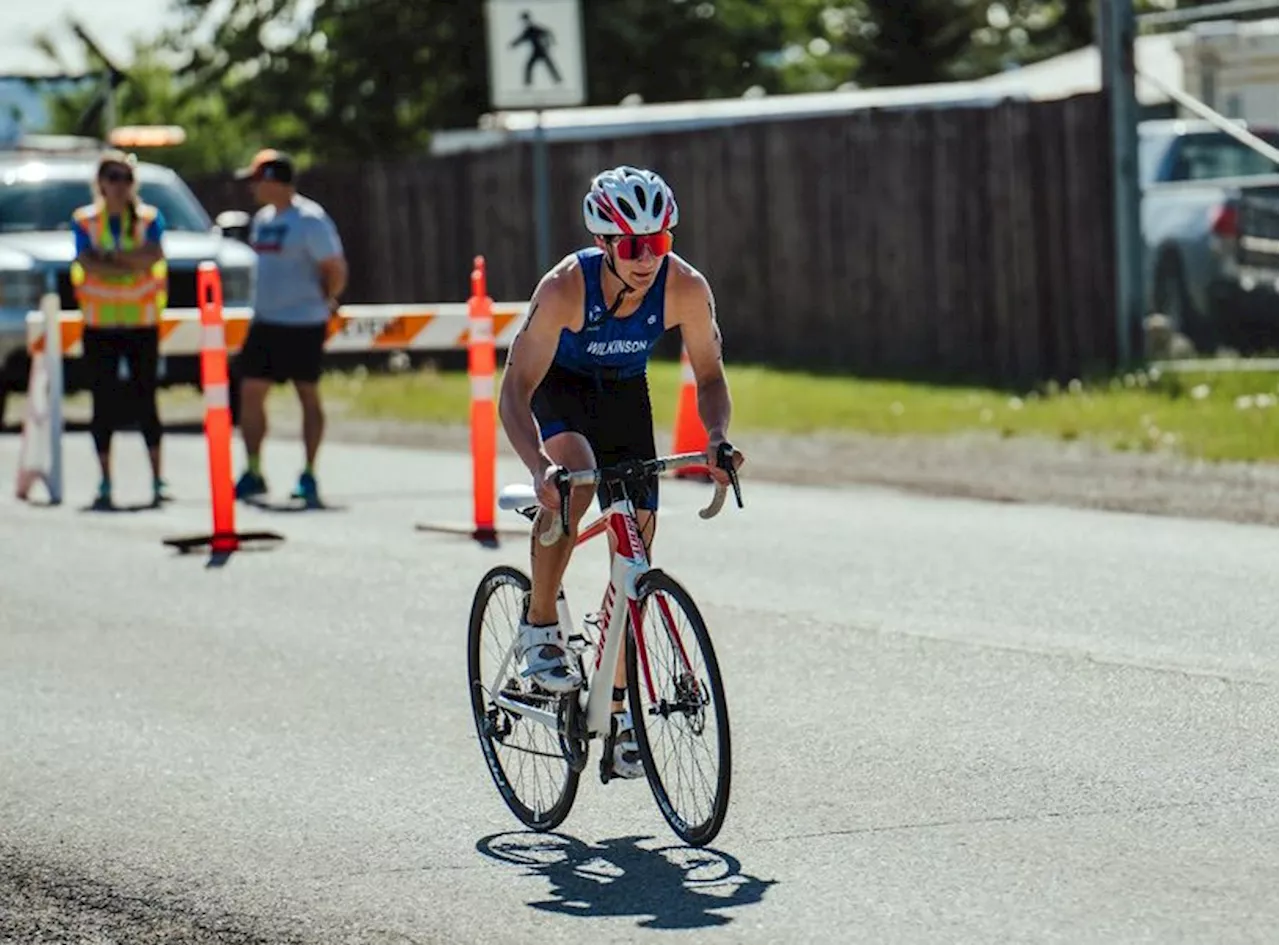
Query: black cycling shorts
[(613, 414), (281, 353)]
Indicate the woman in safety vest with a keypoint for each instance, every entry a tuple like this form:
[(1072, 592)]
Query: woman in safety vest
[(121, 285)]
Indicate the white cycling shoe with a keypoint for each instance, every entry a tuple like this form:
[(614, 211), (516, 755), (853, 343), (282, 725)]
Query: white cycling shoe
[(626, 750), (545, 659)]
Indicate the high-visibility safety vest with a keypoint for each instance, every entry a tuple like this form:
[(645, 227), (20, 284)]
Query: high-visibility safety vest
[(128, 301)]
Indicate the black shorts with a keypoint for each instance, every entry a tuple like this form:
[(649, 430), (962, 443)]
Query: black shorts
[(615, 417), (282, 353)]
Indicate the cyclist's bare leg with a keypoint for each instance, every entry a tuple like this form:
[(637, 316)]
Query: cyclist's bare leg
[(548, 564)]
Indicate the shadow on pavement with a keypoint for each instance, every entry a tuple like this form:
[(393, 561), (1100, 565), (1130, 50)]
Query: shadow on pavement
[(289, 505), (113, 508), (674, 887), (171, 428)]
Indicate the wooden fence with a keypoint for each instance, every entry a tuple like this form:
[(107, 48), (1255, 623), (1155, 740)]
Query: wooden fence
[(968, 243)]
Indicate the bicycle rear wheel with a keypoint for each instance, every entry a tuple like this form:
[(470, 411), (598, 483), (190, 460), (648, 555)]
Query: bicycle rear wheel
[(523, 756), (679, 710)]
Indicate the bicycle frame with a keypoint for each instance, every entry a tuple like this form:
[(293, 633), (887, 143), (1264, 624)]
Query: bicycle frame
[(629, 563)]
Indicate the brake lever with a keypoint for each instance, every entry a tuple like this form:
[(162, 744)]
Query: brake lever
[(724, 459), (562, 482), (560, 524)]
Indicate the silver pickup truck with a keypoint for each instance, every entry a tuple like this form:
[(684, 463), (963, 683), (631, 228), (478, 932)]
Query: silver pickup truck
[(1209, 225), (40, 185), (1257, 264)]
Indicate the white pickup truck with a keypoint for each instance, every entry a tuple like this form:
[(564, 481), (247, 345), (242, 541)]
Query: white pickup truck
[(1209, 225)]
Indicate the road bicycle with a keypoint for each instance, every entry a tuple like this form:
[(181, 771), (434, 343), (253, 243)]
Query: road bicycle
[(676, 698)]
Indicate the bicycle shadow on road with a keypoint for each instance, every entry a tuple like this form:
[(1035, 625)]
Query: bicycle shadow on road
[(665, 888)]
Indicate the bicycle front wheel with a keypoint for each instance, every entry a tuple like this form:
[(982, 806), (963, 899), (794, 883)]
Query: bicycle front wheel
[(523, 756), (679, 710)]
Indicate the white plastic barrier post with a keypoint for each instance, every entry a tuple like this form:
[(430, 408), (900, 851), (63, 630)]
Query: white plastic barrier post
[(33, 451), (51, 307)]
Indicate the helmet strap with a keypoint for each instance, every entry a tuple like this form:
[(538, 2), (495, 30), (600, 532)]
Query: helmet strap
[(625, 290)]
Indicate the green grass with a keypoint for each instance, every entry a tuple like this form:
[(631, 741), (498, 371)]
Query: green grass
[(1223, 416), (1227, 416), (425, 396)]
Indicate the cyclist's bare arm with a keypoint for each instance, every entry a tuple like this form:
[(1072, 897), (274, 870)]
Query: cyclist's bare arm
[(692, 306), (556, 304)]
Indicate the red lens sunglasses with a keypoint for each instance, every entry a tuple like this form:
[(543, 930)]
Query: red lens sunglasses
[(633, 247)]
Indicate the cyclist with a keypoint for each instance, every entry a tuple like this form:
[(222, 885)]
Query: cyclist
[(575, 392)]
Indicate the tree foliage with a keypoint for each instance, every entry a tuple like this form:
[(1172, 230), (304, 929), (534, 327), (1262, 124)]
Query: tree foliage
[(896, 43)]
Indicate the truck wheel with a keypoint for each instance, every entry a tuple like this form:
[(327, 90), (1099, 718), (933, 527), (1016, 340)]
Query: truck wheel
[(1173, 302)]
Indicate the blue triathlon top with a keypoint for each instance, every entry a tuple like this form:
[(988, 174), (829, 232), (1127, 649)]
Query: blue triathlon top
[(619, 347)]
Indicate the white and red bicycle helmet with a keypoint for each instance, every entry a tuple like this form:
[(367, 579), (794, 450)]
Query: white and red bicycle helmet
[(629, 201)]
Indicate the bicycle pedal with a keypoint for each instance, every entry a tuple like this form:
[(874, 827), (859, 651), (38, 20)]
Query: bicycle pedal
[(606, 757), (539, 696)]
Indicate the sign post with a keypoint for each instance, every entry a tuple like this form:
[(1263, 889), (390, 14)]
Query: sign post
[(536, 61), (1117, 29)]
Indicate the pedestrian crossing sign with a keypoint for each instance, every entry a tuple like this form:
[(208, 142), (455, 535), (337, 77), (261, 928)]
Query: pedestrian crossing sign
[(535, 53)]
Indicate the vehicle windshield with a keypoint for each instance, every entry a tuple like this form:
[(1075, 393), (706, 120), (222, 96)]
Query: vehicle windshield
[(1211, 155), (28, 206)]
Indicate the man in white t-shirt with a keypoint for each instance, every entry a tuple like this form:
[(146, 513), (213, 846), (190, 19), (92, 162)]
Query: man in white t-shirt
[(301, 273)]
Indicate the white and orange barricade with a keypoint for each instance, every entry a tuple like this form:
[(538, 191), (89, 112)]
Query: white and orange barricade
[(480, 325), (440, 327)]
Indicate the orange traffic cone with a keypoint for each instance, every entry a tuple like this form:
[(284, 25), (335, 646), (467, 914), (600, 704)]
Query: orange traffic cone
[(482, 365), (690, 434), (215, 379), (481, 368)]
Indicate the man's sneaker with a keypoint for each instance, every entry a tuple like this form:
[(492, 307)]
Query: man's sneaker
[(626, 750), (545, 659), (307, 490), (103, 498), (250, 484)]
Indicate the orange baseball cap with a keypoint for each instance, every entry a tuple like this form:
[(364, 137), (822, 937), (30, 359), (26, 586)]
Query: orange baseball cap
[(268, 164)]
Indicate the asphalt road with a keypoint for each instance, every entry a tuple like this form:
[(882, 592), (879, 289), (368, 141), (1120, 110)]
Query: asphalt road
[(953, 721)]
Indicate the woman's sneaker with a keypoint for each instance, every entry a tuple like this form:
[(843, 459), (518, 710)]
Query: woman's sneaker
[(160, 492), (545, 660)]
